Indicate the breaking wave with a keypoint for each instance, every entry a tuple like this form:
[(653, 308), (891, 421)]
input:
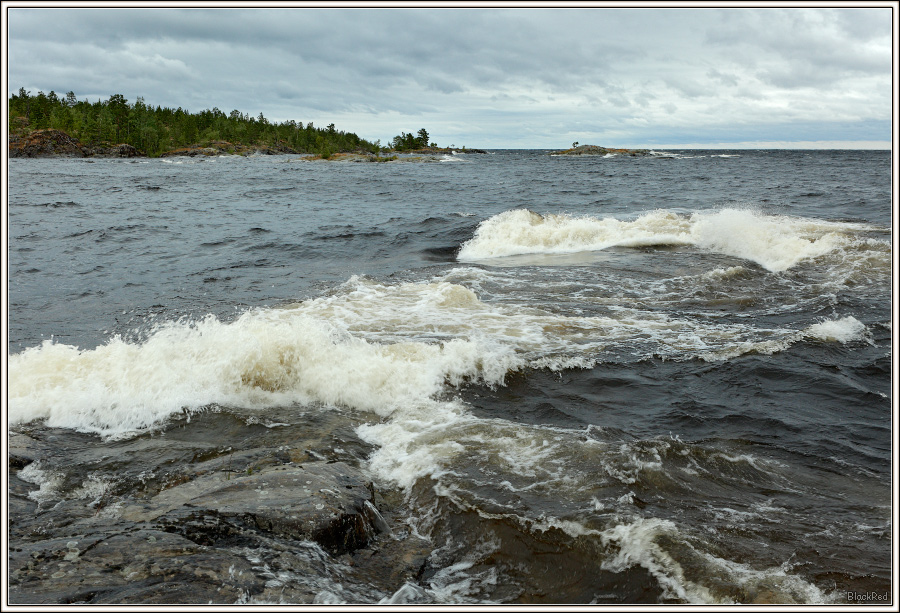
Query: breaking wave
[(775, 242), (368, 346)]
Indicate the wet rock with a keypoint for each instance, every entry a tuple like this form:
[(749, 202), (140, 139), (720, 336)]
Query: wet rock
[(22, 450), (168, 518), (329, 503), (194, 151), (141, 566)]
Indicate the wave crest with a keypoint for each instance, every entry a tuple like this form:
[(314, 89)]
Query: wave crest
[(775, 242)]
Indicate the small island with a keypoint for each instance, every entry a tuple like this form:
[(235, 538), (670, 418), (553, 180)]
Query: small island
[(601, 151)]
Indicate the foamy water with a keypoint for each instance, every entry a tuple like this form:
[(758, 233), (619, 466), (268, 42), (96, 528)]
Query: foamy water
[(776, 243), (370, 346), (649, 392)]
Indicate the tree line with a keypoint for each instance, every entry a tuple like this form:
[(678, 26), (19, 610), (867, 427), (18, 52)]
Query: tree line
[(155, 130), (405, 141)]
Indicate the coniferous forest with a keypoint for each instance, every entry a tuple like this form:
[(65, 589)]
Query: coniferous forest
[(155, 130)]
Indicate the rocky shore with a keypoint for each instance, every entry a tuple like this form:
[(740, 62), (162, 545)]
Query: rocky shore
[(162, 519), (56, 143), (226, 148)]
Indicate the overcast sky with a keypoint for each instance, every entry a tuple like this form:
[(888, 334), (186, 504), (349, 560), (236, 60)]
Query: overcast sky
[(487, 77)]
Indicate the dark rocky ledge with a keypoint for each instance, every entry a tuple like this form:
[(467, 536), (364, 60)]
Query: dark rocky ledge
[(222, 529), (56, 143)]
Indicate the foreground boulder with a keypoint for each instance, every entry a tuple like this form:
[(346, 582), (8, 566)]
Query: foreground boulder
[(329, 503), (165, 520)]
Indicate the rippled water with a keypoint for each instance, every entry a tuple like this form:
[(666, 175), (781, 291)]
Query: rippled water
[(602, 380)]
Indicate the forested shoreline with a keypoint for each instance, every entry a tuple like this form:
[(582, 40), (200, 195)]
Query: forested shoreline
[(157, 130)]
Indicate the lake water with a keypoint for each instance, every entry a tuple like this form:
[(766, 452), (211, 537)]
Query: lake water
[(585, 380)]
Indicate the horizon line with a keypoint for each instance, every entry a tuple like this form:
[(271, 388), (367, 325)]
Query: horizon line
[(799, 146)]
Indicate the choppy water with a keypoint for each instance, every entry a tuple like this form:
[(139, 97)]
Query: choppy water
[(598, 380)]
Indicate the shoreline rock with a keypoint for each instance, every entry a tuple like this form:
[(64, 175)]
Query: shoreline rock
[(56, 143), (442, 150), (217, 148), (45, 143), (226, 527)]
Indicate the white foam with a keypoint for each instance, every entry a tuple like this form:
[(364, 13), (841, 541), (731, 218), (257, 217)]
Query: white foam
[(534, 336), (48, 482), (692, 575), (367, 346), (770, 585), (635, 545), (775, 242), (844, 330), (265, 358), (95, 487), (521, 231), (409, 593)]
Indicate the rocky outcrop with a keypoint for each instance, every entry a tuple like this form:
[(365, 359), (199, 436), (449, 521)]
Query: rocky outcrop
[(122, 150), (329, 503), (226, 148), (56, 143), (45, 143), (263, 524), (603, 151)]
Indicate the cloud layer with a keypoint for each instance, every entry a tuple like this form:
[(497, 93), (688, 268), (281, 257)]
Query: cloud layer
[(485, 77)]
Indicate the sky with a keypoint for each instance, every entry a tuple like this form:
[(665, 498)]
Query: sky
[(487, 76)]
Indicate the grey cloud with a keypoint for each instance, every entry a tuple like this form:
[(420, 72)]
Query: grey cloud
[(725, 79), (688, 87), (801, 41), (496, 73)]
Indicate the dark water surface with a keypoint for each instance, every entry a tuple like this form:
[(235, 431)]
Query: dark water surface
[(587, 380)]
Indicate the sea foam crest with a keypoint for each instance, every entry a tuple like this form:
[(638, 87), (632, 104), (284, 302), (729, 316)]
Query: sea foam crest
[(843, 330), (264, 358), (637, 543), (775, 242), (368, 346), (522, 231)]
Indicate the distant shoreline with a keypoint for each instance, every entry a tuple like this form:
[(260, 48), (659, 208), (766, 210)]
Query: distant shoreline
[(52, 143)]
